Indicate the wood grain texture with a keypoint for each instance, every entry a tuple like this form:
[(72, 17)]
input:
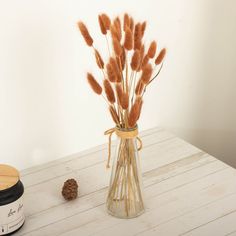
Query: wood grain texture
[(9, 176), (187, 192)]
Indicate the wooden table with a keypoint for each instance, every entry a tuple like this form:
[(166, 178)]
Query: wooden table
[(188, 192)]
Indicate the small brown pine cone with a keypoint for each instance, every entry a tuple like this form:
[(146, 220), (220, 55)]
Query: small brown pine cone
[(70, 189)]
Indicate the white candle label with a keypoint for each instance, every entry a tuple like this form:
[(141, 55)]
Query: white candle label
[(11, 216)]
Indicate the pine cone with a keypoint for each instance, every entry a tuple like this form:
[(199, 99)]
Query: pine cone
[(70, 189)]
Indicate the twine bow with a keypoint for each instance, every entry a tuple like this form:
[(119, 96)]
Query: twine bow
[(122, 134)]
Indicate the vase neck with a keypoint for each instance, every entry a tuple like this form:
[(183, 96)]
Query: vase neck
[(127, 133)]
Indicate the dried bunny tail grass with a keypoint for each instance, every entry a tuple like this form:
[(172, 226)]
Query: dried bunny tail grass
[(143, 28), (123, 98), (85, 33), (135, 112), (137, 36), (131, 24), (125, 101), (146, 73), (152, 49), (116, 69), (140, 104), (142, 50), (117, 47), (126, 21), (99, 60), (133, 115), (160, 57), (117, 25), (110, 73), (122, 59), (106, 21), (94, 84), (114, 33), (145, 61), (135, 61), (128, 43), (139, 87), (109, 91), (119, 92), (114, 114), (102, 26)]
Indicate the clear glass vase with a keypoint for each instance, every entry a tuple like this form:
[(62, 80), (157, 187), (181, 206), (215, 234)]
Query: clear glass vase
[(125, 194)]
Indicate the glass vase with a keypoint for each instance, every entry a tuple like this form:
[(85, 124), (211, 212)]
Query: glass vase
[(125, 194)]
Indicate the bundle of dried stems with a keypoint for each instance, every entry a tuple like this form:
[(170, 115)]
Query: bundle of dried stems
[(126, 76)]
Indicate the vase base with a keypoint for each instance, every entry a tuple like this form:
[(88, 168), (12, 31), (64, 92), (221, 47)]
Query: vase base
[(124, 213)]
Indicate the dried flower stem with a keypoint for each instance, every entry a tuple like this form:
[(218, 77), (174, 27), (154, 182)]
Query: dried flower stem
[(152, 79), (108, 103), (108, 47), (125, 190), (131, 81), (119, 93), (133, 92), (126, 76)]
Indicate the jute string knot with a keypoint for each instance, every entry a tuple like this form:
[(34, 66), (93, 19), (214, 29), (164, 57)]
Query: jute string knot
[(123, 134)]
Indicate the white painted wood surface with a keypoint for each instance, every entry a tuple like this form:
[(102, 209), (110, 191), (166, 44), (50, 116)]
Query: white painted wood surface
[(187, 192)]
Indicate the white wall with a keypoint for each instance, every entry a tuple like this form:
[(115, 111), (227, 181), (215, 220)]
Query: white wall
[(47, 110)]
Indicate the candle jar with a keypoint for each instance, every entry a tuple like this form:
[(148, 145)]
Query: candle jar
[(11, 200)]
